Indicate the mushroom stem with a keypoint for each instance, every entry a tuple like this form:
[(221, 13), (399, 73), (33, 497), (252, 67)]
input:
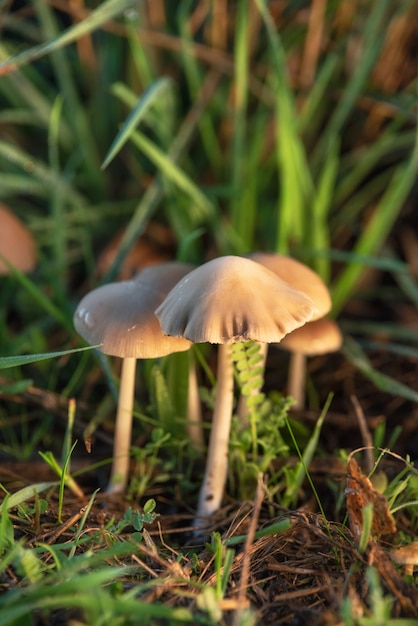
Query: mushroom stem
[(194, 411), (123, 427), (296, 379), (213, 485)]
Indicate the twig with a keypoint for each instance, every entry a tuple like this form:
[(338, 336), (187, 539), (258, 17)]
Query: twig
[(246, 561), (365, 433)]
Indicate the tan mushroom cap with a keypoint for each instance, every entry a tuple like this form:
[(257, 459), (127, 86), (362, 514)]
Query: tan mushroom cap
[(316, 337), (120, 316), (406, 555), (233, 299), (299, 276), (16, 243), (163, 276)]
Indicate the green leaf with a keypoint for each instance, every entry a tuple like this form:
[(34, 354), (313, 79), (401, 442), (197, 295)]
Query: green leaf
[(24, 359), (145, 102), (105, 12), (25, 494)]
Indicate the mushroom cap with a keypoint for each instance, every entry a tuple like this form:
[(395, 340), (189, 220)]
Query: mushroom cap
[(232, 299), (299, 276), (163, 276), (17, 244), (120, 316), (316, 337), (406, 555)]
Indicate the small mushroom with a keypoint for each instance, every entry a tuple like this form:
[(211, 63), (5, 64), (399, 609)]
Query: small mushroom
[(406, 556), (300, 277), (226, 300), (17, 244), (120, 317), (165, 276), (317, 337)]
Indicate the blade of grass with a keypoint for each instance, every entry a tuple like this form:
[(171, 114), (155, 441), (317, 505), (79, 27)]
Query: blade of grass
[(80, 125), (319, 236), (154, 192), (141, 57), (381, 328), (202, 209), (378, 227), (57, 199), (272, 529), (353, 352), (14, 154), (43, 301), (301, 470), (372, 39), (138, 112), (15, 361), (105, 11), (24, 494), (240, 87), (195, 78), (296, 185), (24, 91), (360, 163)]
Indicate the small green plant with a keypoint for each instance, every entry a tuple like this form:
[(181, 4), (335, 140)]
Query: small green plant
[(135, 519)]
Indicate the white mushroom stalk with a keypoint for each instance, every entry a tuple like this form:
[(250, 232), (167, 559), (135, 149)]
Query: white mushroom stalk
[(227, 300), (120, 317)]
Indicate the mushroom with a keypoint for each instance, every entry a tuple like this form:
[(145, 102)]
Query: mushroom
[(226, 300), (120, 317), (17, 245), (166, 275), (300, 277), (317, 337), (406, 556)]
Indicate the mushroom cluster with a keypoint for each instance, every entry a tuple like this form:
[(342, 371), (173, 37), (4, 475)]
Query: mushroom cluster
[(169, 306)]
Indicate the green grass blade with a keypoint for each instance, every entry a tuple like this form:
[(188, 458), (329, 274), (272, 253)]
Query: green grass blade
[(139, 111), (372, 40), (296, 185), (356, 356), (39, 297), (203, 209), (24, 359), (154, 193), (24, 91), (301, 470), (241, 53), (26, 494), (39, 170), (319, 236), (195, 78), (57, 200), (378, 227), (106, 11), (361, 163), (76, 112)]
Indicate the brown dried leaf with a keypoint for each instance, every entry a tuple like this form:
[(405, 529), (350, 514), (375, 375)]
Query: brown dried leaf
[(359, 493)]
